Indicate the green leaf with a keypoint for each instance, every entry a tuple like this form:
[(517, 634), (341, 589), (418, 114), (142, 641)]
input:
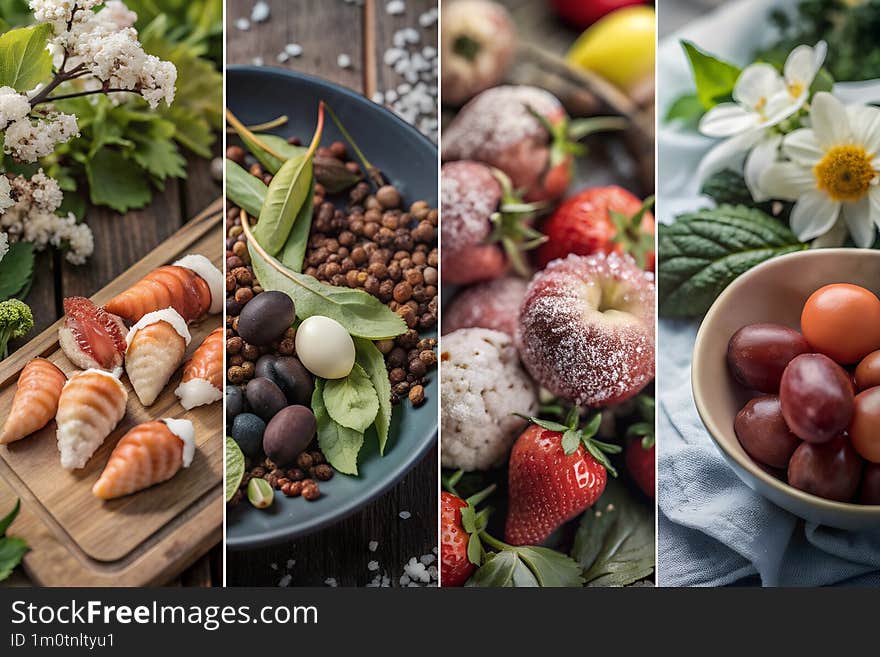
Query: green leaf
[(16, 269), (245, 190), (614, 543), (339, 444), (284, 200), (7, 520), (496, 571), (293, 254), (704, 251), (156, 151), (234, 467), (545, 424), (727, 187), (361, 314), (26, 62), (570, 440), (351, 401), (116, 181), (688, 109), (823, 81), (474, 548), (12, 551), (714, 78), (371, 359), (280, 146), (551, 568)]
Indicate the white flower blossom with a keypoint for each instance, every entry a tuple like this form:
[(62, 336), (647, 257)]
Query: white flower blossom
[(28, 139), (5, 196), (32, 218), (832, 172), (762, 100), (13, 106), (116, 15), (60, 12), (4, 245)]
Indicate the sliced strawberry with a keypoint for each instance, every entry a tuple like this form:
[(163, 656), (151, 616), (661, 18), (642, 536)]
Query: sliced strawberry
[(96, 336)]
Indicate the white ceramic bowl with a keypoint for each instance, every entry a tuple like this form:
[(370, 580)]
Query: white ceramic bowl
[(774, 291)]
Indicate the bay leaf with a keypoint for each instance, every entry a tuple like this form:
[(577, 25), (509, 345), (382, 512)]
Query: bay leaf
[(284, 200), (371, 359), (352, 401), (339, 444), (293, 254), (245, 190)]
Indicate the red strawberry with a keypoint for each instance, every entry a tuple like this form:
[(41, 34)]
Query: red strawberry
[(555, 473), (602, 219), (455, 567), (91, 336), (640, 463)]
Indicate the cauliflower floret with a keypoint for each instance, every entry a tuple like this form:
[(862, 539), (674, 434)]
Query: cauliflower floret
[(482, 385)]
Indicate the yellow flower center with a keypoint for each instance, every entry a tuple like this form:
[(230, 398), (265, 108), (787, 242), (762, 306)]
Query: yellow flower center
[(795, 89), (845, 173)]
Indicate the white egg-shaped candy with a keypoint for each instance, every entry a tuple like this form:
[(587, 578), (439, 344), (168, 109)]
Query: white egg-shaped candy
[(324, 347)]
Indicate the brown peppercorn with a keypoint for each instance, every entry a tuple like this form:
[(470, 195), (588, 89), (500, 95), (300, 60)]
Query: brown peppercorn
[(243, 276), (351, 278), (311, 493), (230, 283), (397, 357), (338, 150), (287, 347), (417, 395), (424, 232), (249, 369), (394, 272), (385, 236), (386, 290), (408, 314), (377, 269), (236, 154), (304, 461), (236, 359), (388, 197), (413, 277), (317, 456), (409, 339), (371, 286), (234, 345), (417, 368), (295, 474), (323, 472), (391, 221), (292, 489), (236, 374), (371, 230), (359, 255), (402, 292), (243, 295), (401, 388), (428, 357), (385, 346), (256, 170), (250, 352), (430, 275), (397, 375)]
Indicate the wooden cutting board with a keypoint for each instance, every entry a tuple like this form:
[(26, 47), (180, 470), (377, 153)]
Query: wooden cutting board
[(77, 539)]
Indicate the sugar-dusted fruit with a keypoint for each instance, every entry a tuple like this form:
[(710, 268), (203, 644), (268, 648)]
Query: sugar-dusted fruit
[(91, 405), (36, 400), (192, 286), (830, 318), (91, 337), (586, 330), (148, 454), (156, 347), (493, 305), (202, 381)]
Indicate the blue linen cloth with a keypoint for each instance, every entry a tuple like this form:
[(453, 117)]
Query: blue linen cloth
[(713, 529)]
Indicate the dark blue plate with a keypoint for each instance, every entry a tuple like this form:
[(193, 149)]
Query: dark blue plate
[(409, 161)]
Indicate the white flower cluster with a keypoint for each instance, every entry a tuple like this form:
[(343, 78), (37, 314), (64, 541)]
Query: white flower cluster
[(5, 190), (105, 45), (32, 218), (4, 245), (29, 139), (13, 106)]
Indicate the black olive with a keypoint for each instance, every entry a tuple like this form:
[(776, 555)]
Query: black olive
[(289, 433), (264, 397), (247, 431), (266, 317)]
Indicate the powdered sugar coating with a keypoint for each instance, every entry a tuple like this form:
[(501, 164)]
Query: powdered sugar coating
[(576, 352), (493, 305), (482, 384), (469, 195), (496, 120)]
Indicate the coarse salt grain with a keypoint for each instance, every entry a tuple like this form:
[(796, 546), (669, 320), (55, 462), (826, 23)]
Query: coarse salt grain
[(372, 546), (290, 563), (405, 515), (343, 61), (427, 559), (293, 49), (428, 18), (242, 24), (260, 13), (395, 7), (331, 582), (373, 565), (257, 61), (377, 97), (285, 580), (282, 57)]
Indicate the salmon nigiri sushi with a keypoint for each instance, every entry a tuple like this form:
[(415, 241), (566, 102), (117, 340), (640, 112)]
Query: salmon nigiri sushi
[(202, 381), (149, 454), (36, 400), (156, 347), (91, 337), (193, 286), (91, 405)]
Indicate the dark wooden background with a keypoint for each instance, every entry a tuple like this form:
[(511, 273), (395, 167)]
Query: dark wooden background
[(120, 241), (325, 30)]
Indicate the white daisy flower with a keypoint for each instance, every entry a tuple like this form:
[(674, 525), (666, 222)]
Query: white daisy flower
[(832, 172)]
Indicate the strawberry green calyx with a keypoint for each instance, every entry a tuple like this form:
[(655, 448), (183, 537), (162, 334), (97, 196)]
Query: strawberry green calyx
[(511, 227), (630, 236), (644, 428), (572, 436), (566, 134), (473, 522)]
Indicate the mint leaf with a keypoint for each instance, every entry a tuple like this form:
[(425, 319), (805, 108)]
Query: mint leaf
[(116, 181), (551, 568), (16, 269), (688, 109), (727, 187), (352, 401), (8, 519), (339, 444), (371, 359), (713, 77), (496, 571), (570, 440), (614, 543), (26, 62), (12, 551), (704, 251)]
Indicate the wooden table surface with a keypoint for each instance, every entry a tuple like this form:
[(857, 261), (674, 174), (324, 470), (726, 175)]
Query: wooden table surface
[(325, 30), (120, 241)]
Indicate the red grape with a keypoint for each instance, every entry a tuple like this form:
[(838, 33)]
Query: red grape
[(830, 470), (763, 433), (817, 398), (864, 430), (758, 354)]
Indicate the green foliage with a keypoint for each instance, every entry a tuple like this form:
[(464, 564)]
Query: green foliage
[(16, 270), (714, 78), (16, 321), (196, 23), (25, 62), (12, 549)]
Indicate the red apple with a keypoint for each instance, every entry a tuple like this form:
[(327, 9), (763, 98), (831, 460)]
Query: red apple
[(582, 13)]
